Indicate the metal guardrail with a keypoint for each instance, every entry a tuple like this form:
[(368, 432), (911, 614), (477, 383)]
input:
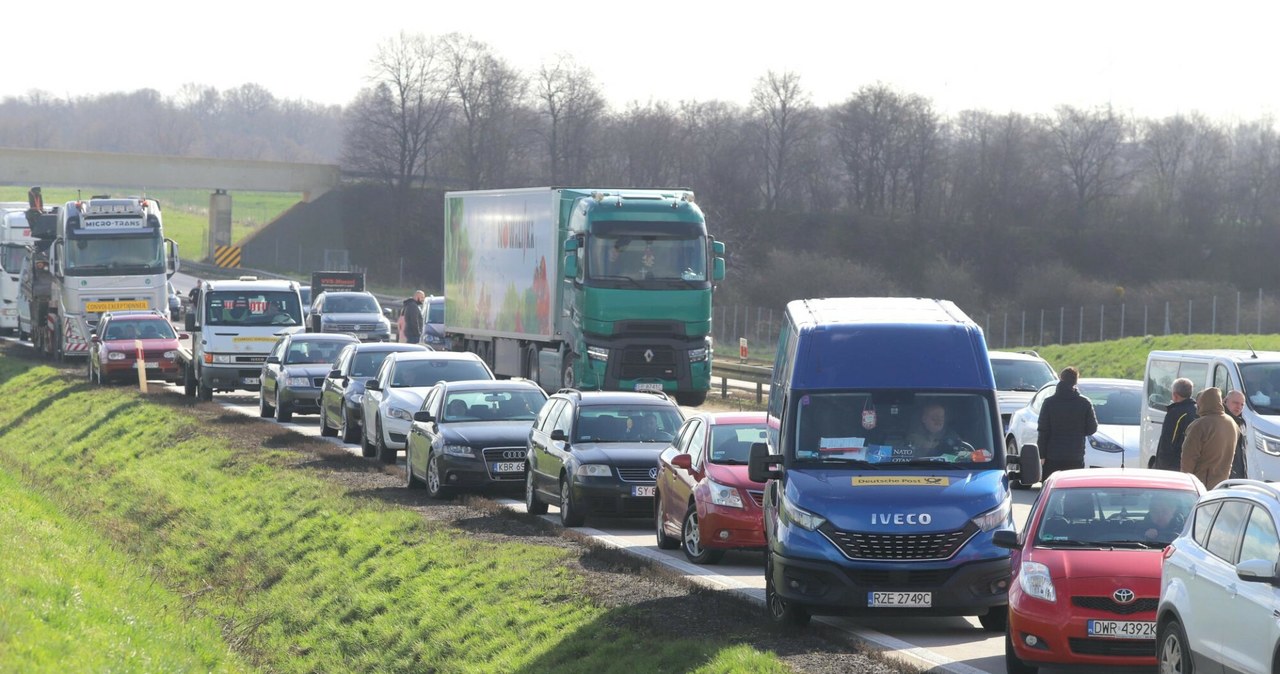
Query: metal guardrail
[(728, 369)]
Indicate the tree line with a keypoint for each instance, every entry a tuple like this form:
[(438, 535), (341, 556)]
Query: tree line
[(876, 194)]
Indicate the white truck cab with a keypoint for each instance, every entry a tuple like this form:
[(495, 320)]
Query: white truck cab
[(233, 325), (15, 235)]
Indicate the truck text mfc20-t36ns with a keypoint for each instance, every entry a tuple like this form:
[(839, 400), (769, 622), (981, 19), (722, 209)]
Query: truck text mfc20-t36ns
[(585, 288)]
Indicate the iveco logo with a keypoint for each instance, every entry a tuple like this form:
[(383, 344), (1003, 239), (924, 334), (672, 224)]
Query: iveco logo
[(648, 355), (1123, 596), (513, 454), (653, 473), (900, 518)]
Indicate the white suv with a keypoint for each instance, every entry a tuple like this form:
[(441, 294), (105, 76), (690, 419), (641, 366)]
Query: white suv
[(1218, 587), (1018, 376)]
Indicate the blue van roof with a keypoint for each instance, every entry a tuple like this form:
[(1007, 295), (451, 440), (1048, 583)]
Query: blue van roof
[(887, 342)]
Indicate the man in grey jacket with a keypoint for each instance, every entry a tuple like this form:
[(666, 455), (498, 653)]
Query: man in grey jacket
[(1066, 419)]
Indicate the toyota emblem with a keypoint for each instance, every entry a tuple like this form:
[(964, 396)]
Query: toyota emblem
[(648, 355), (653, 474), (1123, 596)]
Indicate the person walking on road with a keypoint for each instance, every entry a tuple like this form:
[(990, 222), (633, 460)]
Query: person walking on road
[(1066, 419), (1234, 402), (412, 315), (1180, 413), (1211, 440)]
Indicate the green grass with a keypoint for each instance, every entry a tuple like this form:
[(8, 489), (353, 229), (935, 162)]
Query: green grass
[(186, 212), (1127, 358), (300, 575)]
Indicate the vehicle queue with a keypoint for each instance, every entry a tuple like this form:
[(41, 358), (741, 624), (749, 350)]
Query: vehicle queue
[(1090, 575)]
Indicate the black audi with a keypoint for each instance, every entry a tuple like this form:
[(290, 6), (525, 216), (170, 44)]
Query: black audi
[(471, 434)]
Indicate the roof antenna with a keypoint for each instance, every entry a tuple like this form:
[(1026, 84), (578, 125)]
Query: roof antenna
[(1255, 353)]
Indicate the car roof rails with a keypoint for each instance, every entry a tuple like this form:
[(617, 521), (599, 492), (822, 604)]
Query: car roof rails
[(1266, 488), (1028, 352), (663, 394), (568, 390)]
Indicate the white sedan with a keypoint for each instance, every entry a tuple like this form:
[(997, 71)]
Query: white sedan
[(1118, 406), (403, 381)]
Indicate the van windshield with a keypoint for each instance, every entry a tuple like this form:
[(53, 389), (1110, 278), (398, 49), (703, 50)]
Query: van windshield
[(1262, 386), (895, 428)]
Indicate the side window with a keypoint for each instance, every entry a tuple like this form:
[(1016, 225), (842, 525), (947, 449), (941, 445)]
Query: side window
[(429, 403), (697, 443), (384, 372), (546, 414), (564, 422), (1260, 541), (1224, 539), (1222, 379), (682, 441), (278, 349), (1203, 520), (1196, 372), (1160, 376), (1040, 398)]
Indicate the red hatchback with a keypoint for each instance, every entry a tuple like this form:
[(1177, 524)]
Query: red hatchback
[(704, 502), (113, 348), (1086, 568)]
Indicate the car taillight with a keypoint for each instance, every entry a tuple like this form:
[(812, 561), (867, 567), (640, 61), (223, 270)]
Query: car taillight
[(1168, 551)]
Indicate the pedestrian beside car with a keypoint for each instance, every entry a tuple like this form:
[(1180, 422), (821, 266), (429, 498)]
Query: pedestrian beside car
[(1180, 413), (1211, 440), (1234, 402), (1066, 420), (411, 315)]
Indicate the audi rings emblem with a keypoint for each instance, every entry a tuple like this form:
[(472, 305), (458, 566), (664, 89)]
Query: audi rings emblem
[(653, 473), (511, 454), (1123, 596)]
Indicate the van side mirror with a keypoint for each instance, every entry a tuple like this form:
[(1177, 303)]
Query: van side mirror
[(1028, 464), (1005, 538), (763, 466)]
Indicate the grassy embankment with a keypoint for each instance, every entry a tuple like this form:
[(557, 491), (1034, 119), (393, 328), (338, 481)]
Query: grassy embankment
[(186, 212), (1127, 358), (299, 574)]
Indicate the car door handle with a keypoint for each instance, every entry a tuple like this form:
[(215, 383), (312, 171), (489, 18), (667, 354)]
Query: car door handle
[(1233, 590)]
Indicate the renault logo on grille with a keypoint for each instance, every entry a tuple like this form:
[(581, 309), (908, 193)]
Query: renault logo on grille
[(1123, 596), (648, 355), (653, 473)]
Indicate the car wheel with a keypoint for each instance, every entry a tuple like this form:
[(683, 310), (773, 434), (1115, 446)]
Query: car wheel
[(204, 392), (345, 429), (367, 449), (569, 515), (781, 611), (385, 453), (325, 430), (284, 413), (532, 504), (996, 619), (665, 542), (691, 540), (1173, 653), (435, 481), (264, 410), (1012, 663), (1015, 478), (411, 481)]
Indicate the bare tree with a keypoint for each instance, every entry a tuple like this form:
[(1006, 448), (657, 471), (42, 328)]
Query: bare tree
[(1088, 144), (488, 94), (785, 120), (572, 105)]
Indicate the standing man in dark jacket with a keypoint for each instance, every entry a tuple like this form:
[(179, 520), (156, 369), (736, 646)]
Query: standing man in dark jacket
[(1066, 419), (1234, 402), (412, 314), (1180, 413)]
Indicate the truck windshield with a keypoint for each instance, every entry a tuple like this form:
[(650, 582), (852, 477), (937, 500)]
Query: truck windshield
[(114, 254), (11, 258), (253, 308), (893, 429), (648, 260)]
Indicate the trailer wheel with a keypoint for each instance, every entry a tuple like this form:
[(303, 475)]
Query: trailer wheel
[(568, 378), (531, 365)]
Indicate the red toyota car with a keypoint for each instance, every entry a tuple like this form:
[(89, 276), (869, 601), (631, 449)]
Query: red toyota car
[(113, 352), (705, 503), (1086, 568)]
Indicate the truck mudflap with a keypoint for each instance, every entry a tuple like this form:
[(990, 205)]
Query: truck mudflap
[(75, 336), (824, 588)]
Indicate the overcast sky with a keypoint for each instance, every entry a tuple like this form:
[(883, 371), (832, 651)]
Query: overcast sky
[(1151, 59)]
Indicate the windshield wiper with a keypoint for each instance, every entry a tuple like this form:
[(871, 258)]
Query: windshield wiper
[(1067, 543), (1144, 545), (1024, 389), (616, 278), (729, 462)]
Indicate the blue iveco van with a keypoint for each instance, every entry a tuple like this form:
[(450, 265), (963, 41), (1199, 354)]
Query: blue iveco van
[(888, 469)]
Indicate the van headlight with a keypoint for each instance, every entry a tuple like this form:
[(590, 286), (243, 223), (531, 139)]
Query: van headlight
[(1035, 581), (1267, 444), (793, 514), (224, 358), (996, 518)]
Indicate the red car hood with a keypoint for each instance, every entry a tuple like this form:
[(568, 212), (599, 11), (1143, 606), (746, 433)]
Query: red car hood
[(1078, 565), (732, 476)]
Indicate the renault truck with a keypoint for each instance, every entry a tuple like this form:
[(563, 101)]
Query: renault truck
[(588, 288)]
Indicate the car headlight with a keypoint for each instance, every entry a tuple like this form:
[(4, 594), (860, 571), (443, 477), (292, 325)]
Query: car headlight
[(398, 413), (1268, 444), (593, 470), (1035, 581), (297, 381), (789, 512), (357, 398), (996, 518), (224, 358), (724, 495), (170, 355), (459, 450), (115, 355), (1104, 444), (597, 353)]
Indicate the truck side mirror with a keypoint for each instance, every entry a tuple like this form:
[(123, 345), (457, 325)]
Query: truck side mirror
[(1029, 464), (571, 265), (763, 466), (718, 271), (717, 247)]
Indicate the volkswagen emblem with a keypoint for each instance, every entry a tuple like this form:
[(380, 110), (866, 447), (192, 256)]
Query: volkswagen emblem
[(653, 473), (648, 355), (1123, 596)]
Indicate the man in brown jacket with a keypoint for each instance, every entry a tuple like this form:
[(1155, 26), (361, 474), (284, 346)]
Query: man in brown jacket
[(1211, 440)]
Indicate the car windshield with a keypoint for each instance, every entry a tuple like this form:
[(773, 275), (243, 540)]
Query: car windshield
[(1113, 517), (138, 329), (627, 423), (415, 373), (1115, 404), (1021, 375), (254, 308), (351, 304), (11, 258), (731, 443), (312, 352), (468, 406), (435, 311), (889, 428), (366, 363)]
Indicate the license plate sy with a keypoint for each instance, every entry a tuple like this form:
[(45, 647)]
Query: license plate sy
[(1121, 629), (649, 386), (250, 381), (509, 467), (642, 491), (902, 599)]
